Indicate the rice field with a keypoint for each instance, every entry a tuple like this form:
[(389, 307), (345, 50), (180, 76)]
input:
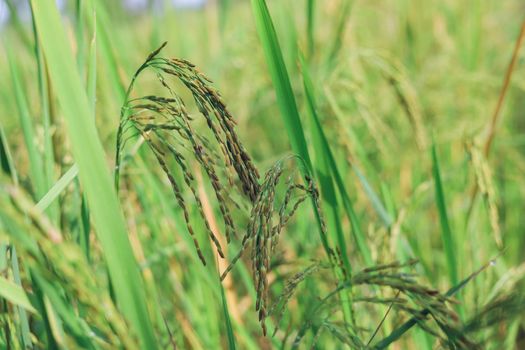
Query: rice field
[(262, 174)]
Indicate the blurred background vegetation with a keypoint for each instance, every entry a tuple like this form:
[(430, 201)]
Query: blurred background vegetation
[(405, 94)]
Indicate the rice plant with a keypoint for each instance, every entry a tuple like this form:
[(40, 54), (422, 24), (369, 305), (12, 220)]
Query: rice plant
[(341, 184)]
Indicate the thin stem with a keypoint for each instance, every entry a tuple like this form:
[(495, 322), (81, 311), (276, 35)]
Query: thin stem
[(124, 114), (382, 320), (496, 116)]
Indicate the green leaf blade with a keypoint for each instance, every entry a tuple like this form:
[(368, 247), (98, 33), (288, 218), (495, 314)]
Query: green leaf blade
[(93, 172)]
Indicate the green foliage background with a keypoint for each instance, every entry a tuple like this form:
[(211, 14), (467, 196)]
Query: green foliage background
[(388, 104)]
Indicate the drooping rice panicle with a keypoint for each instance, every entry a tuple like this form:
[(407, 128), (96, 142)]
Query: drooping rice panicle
[(167, 126)]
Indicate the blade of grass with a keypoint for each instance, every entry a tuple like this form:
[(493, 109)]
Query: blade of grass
[(280, 79), (22, 314), (328, 165), (6, 160), (48, 155), (286, 31), (290, 114), (322, 146), (15, 294), (92, 98), (374, 198), (229, 328), (94, 175), (323, 169), (17, 23), (26, 122), (100, 24), (40, 304), (57, 188), (67, 318), (446, 232), (310, 25), (340, 30), (92, 69), (283, 89), (79, 35)]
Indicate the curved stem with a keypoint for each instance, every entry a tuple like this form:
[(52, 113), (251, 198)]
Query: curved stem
[(124, 115)]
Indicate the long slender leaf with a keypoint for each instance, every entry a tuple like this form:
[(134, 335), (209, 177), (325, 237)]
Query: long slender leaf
[(446, 232), (6, 159), (22, 314), (35, 158), (94, 175), (57, 188), (48, 155), (328, 166), (292, 121), (228, 322), (374, 198), (310, 25), (283, 89), (70, 320), (15, 294), (340, 29), (280, 79)]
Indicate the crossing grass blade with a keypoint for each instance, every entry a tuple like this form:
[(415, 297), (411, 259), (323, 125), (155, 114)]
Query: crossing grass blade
[(15, 294), (57, 188), (374, 198), (94, 175)]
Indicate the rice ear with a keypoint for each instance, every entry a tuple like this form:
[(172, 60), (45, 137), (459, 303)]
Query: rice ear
[(169, 131)]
